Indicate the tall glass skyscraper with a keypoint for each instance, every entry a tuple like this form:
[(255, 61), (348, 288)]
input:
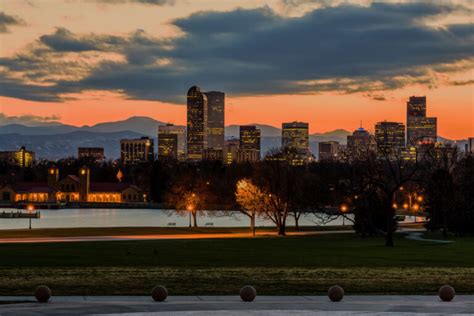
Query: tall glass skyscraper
[(196, 123), (205, 124), (215, 120)]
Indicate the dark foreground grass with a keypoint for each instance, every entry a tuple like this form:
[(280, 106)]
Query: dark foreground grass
[(289, 265)]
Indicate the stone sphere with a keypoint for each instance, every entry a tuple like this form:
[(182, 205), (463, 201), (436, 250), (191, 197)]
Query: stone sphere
[(43, 293), (446, 293), (335, 293), (159, 293), (248, 293)]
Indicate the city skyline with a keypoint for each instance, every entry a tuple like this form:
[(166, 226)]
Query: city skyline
[(139, 67)]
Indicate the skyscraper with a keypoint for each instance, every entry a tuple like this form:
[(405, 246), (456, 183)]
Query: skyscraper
[(197, 111), (390, 137), (420, 129), (249, 144), (180, 132), (295, 135), (205, 122), (215, 119)]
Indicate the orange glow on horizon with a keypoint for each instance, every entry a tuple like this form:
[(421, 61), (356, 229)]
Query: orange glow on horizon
[(324, 112)]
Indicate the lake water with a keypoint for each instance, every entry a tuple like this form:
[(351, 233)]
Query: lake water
[(139, 218)]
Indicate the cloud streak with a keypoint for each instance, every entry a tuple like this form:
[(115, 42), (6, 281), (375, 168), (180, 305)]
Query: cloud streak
[(347, 49), (9, 20)]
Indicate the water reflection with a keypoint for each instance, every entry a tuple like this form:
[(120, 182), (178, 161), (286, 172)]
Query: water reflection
[(139, 218)]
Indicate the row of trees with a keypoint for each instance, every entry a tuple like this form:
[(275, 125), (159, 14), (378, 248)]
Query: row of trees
[(368, 186)]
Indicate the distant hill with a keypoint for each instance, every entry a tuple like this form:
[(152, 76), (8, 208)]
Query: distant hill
[(65, 145)]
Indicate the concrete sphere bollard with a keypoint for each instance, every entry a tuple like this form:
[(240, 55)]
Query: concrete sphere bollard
[(43, 293), (159, 293), (335, 293), (446, 293), (248, 293)]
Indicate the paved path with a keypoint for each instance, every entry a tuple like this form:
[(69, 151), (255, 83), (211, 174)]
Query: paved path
[(232, 305), (419, 236), (156, 237)]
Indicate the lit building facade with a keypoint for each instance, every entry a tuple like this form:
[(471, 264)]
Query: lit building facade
[(231, 149), (72, 188), (96, 153), (215, 120), (196, 123), (21, 157), (390, 137), (136, 150), (328, 150), (295, 135), (249, 144), (167, 146), (180, 132), (420, 128)]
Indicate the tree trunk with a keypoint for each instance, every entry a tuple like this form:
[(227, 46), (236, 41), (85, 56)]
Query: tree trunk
[(281, 230), (252, 224), (195, 223), (389, 234), (297, 222)]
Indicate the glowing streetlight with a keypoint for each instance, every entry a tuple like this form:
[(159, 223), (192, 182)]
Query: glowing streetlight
[(394, 205), (30, 209), (344, 208), (405, 206), (419, 198)]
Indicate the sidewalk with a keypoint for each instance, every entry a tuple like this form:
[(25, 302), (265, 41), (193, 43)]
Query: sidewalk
[(232, 305)]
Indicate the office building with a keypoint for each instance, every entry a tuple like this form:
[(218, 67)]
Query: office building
[(136, 150), (420, 128), (21, 157), (196, 123), (390, 137), (328, 150), (231, 148), (215, 120), (213, 154), (95, 153), (249, 144), (361, 142), (165, 132), (167, 146), (295, 135)]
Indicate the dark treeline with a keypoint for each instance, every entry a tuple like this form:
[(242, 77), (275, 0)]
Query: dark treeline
[(372, 187)]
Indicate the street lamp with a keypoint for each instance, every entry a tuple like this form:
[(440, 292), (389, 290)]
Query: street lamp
[(190, 209), (343, 209), (30, 209)]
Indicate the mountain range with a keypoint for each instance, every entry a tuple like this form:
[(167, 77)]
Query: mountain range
[(54, 140)]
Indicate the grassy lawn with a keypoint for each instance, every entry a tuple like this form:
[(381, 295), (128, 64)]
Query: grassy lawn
[(289, 265)]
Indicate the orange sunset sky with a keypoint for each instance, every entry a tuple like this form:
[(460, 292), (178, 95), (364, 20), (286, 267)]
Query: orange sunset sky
[(332, 64)]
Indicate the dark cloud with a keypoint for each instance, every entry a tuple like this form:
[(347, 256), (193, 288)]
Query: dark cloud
[(8, 20), (346, 48), (461, 82)]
